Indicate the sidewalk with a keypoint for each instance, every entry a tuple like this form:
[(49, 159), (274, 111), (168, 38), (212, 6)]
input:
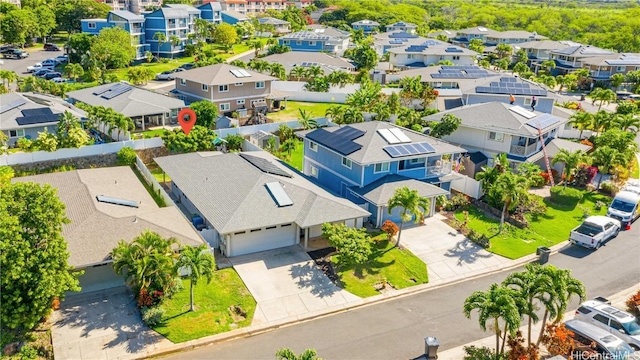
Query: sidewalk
[(457, 353)]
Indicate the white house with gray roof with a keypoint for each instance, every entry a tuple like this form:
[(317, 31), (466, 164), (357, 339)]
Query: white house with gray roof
[(253, 202), (431, 52), (402, 26), (570, 59)]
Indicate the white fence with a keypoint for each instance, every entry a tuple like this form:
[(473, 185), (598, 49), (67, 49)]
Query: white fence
[(271, 127), (155, 185), (295, 91), (101, 149), (467, 186)]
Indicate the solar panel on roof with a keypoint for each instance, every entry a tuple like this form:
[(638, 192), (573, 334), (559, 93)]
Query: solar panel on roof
[(543, 121), (237, 73), (349, 132), (334, 142), (103, 90), (12, 105), (35, 112), (507, 80), (453, 50), (388, 136), (264, 165), (244, 72), (116, 201), (116, 91), (279, 195), (400, 150), (523, 112), (37, 119), (400, 135)]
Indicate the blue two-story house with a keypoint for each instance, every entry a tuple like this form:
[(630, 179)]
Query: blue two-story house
[(132, 23), (171, 20), (317, 39), (366, 162), (367, 26), (211, 12)]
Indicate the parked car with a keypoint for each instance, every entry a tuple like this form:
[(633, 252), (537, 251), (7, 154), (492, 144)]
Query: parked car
[(41, 72), (625, 207), (594, 231), (59, 80), (15, 54), (591, 337), (39, 66), (62, 59), (169, 74), (51, 47), (49, 62), (618, 322), (51, 75), (5, 48), (188, 66)]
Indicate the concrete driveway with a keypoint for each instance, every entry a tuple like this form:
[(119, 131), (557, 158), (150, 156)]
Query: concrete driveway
[(101, 325), (286, 283), (449, 255)]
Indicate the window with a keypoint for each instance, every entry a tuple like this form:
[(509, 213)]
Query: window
[(223, 88), (285, 42), (238, 84), (183, 82), (616, 325), (313, 146), (496, 136), (314, 171), (260, 85), (312, 43), (346, 162), (379, 168), (416, 161), (225, 107), (620, 68), (16, 133), (240, 102), (298, 42), (602, 319), (91, 25), (456, 57), (205, 87)]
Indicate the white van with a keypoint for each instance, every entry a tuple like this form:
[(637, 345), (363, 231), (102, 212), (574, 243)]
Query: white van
[(607, 345), (625, 207)]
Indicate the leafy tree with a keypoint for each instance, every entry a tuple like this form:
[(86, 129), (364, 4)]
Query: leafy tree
[(70, 12), (8, 77), (365, 57), (603, 96), (47, 141), (503, 50), (411, 205), (139, 75), (225, 35), (234, 142), (353, 245), (633, 77), (18, 26), (200, 139), (512, 188), (6, 174), (607, 158), (627, 122), (127, 156), (306, 120), (31, 220), (502, 64), (570, 159), (288, 354), (520, 68), (625, 107), (161, 38), (476, 45), (446, 126), (278, 49), (284, 133), (112, 48), (620, 140), (199, 262), (616, 80), (206, 113), (3, 142), (79, 46), (317, 84), (582, 120), (46, 20), (73, 71), (521, 56)]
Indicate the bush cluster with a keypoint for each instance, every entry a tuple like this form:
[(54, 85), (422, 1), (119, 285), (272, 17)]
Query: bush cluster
[(478, 238), (565, 196), (457, 201), (609, 188), (152, 316), (126, 156)]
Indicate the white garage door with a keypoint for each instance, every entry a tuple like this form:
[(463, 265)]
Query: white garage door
[(100, 278), (265, 239)]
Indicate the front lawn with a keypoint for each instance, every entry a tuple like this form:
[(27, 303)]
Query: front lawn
[(295, 159), (398, 267), (212, 315), (547, 230), (317, 110)]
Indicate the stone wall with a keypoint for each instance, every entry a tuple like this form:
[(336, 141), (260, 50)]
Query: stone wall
[(86, 162), (147, 155), (497, 214)]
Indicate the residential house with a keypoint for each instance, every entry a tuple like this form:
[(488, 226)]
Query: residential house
[(25, 115), (601, 68), (448, 34), (230, 87), (279, 26), (366, 162), (145, 107), (258, 204), (384, 41), (292, 59), (402, 26), (211, 11), (492, 37), (569, 59), (498, 127), (96, 226), (538, 51), (135, 6), (132, 23), (486, 90), (239, 6), (367, 26), (431, 52), (261, 6), (233, 17), (318, 39), (170, 20), (300, 4)]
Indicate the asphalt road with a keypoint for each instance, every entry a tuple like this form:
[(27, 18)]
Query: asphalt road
[(395, 329)]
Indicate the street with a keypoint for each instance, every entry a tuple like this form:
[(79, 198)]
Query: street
[(396, 329)]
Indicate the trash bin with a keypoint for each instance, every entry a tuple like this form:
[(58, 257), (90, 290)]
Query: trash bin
[(543, 254), (582, 97), (431, 347)]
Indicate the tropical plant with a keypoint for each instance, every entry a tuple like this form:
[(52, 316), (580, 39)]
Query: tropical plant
[(582, 121), (602, 96), (340, 78), (284, 133), (161, 38), (627, 122), (288, 354), (571, 160), (174, 41), (335, 113), (353, 245), (607, 158), (411, 205), (503, 50), (206, 113), (199, 262), (512, 188), (306, 120), (8, 77), (259, 65), (297, 72), (278, 70), (74, 71), (447, 125)]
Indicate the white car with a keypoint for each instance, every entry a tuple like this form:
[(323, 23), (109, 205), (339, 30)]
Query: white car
[(169, 74), (38, 66), (59, 80)]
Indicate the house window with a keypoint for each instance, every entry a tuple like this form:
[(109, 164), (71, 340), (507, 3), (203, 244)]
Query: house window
[(379, 168), (298, 42), (314, 171), (223, 88), (183, 82), (527, 101), (285, 42), (313, 146), (240, 102), (238, 84), (456, 57), (225, 107), (416, 161), (496, 136), (16, 133), (92, 25), (620, 68), (205, 87), (260, 84), (346, 162), (312, 43)]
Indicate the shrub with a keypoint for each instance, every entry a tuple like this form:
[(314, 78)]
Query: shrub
[(478, 238), (584, 175), (633, 304), (152, 316), (565, 196), (456, 202), (174, 287), (609, 188), (479, 353), (537, 180), (24, 144), (390, 228), (126, 156)]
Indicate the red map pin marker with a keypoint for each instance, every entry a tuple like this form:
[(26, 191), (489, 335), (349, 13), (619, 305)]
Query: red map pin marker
[(187, 118)]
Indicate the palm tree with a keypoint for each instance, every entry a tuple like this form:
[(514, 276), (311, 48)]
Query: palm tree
[(603, 96), (239, 63), (340, 78), (607, 158), (175, 41), (123, 123), (74, 71), (297, 73), (352, 115), (256, 45), (314, 71), (602, 120), (66, 122), (488, 176), (8, 77), (288, 146), (503, 50), (411, 205), (627, 122), (278, 70), (532, 285), (582, 120), (570, 159), (336, 113), (288, 354), (563, 287), (306, 120), (512, 188), (161, 38), (259, 65), (497, 304), (199, 262)]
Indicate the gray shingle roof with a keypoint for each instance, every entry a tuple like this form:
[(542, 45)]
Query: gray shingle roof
[(582, 51), (372, 142), (296, 58), (272, 21), (96, 228), (380, 191), (136, 102), (231, 193), (178, 11), (366, 22), (554, 147), (545, 45), (127, 15), (220, 74), (56, 104)]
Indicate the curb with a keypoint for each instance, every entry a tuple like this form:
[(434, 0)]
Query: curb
[(273, 325)]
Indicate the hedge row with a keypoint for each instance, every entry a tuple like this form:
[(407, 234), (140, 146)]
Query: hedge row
[(565, 196)]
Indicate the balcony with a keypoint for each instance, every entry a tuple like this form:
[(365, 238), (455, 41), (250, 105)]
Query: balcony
[(438, 170), (523, 150)]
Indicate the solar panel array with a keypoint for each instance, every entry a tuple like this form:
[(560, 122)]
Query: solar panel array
[(523, 112), (453, 50), (307, 35), (396, 42), (510, 86), (279, 195), (264, 165), (416, 48), (115, 90), (460, 72), (12, 105), (37, 116), (309, 64), (402, 34), (401, 150), (342, 144), (240, 73), (543, 121), (431, 42), (349, 132)]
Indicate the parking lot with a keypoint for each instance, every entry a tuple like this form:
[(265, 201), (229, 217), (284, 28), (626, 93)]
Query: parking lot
[(35, 56)]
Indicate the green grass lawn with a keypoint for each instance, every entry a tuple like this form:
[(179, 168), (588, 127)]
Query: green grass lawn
[(547, 230), (399, 267), (157, 173), (212, 315), (295, 160), (148, 134), (156, 67), (291, 112)]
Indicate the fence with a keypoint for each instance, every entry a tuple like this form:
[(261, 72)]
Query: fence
[(467, 186), (155, 185), (295, 91), (271, 127), (101, 149)]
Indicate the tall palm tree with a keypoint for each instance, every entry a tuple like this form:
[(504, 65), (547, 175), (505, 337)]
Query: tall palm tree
[(607, 158), (288, 354), (564, 286), (582, 120), (199, 263), (340, 78), (314, 71), (336, 113), (66, 122), (602, 121), (175, 41), (8, 77), (533, 285), (603, 96), (306, 120), (256, 45), (497, 304), (570, 159), (411, 205), (297, 72), (259, 65), (627, 122), (352, 115), (288, 146), (161, 38), (512, 188), (488, 176), (278, 70), (74, 71)]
